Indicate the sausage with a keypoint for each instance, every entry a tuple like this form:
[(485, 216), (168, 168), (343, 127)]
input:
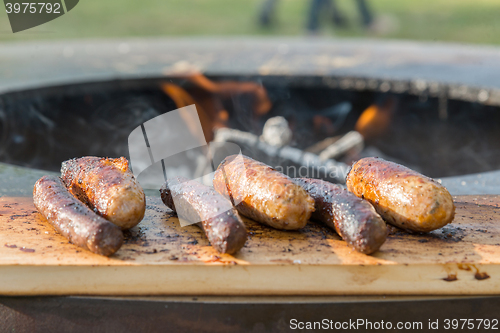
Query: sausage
[(262, 193), (108, 187), (73, 219), (354, 219), (403, 197), (196, 202)]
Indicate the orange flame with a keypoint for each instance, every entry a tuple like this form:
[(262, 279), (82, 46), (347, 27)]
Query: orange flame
[(226, 89), (181, 99), (376, 119), (208, 96)]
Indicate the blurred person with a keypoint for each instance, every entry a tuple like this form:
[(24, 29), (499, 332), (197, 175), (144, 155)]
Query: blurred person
[(318, 6), (268, 11)]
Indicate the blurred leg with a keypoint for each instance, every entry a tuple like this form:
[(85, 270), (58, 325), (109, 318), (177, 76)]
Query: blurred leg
[(314, 13), (338, 18), (267, 12), (366, 15)]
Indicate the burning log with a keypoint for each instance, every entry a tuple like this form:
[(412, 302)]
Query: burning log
[(318, 147), (276, 132), (351, 142), (328, 169)]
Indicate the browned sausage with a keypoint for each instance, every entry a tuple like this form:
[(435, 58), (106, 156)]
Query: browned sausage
[(72, 219), (262, 193), (108, 186), (354, 219), (196, 202), (403, 197)]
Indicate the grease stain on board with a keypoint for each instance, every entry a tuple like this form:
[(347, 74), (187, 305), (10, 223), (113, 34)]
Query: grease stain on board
[(451, 278), (478, 275)]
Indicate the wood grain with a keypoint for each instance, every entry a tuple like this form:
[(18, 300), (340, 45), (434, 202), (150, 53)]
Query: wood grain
[(161, 258)]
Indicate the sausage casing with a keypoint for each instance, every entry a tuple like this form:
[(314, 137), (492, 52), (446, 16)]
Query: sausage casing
[(196, 202), (354, 219), (108, 186), (73, 219), (262, 193), (403, 197)]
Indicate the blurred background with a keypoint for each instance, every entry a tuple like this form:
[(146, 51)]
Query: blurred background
[(300, 83), (464, 21)]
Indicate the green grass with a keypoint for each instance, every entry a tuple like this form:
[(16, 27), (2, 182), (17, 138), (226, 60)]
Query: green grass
[(467, 21)]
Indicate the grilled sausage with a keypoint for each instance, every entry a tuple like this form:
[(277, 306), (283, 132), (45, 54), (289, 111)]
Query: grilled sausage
[(354, 219), (262, 193), (72, 219), (196, 202), (108, 187), (403, 197)]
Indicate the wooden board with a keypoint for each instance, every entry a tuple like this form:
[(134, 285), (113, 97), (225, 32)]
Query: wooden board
[(161, 258)]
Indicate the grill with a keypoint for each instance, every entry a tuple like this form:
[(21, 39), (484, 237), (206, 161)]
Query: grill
[(431, 108)]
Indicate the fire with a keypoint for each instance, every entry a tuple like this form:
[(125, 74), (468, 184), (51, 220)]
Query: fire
[(376, 119), (209, 98), (181, 99), (227, 89)]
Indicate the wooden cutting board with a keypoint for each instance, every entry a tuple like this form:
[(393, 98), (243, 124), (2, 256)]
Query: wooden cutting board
[(161, 258)]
